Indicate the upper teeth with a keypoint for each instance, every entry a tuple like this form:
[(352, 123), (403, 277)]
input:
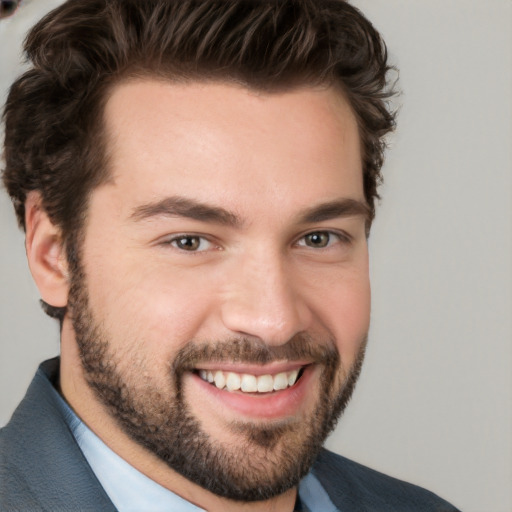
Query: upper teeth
[(249, 383)]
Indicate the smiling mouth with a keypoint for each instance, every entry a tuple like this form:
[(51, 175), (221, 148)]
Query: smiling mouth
[(248, 383)]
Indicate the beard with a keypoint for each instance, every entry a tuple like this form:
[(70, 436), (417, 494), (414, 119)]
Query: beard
[(268, 458)]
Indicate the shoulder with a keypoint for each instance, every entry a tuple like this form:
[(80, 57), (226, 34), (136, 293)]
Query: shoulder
[(352, 486), (41, 465)]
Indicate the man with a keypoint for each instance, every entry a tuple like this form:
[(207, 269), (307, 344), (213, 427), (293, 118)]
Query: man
[(196, 181)]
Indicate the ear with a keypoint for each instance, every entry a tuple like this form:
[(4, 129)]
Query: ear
[(46, 253)]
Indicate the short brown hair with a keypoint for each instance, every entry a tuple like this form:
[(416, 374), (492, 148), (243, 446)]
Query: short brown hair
[(53, 114)]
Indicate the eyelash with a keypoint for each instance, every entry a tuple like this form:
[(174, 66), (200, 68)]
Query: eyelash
[(338, 237), (175, 239), (342, 238)]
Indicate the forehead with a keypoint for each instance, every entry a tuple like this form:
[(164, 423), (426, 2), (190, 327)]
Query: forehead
[(225, 142)]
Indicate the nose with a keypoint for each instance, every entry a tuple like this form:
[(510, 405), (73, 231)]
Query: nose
[(262, 301)]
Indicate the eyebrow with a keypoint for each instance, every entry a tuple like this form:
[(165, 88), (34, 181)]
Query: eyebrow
[(177, 206), (336, 209)]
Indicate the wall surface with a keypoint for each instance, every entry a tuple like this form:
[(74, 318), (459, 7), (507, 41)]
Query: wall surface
[(434, 404)]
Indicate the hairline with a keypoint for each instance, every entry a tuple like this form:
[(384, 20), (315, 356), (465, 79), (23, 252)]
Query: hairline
[(141, 75), (74, 238)]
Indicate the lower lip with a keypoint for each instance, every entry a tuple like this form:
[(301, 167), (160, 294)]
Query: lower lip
[(275, 405)]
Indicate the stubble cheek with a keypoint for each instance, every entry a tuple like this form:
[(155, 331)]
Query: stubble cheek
[(211, 421)]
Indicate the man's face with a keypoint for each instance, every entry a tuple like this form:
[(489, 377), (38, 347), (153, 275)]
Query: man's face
[(230, 246)]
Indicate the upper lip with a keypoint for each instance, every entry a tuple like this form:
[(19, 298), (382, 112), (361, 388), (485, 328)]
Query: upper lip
[(253, 369)]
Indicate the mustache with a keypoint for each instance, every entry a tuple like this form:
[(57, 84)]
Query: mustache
[(255, 351)]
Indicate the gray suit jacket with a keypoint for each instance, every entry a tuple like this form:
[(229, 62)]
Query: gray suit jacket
[(42, 467)]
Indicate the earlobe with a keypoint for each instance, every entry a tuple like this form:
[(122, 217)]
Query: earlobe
[(45, 253)]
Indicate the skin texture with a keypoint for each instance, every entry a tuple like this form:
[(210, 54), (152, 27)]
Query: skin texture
[(256, 294)]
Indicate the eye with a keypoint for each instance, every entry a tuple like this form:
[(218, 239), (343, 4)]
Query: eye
[(321, 239), (190, 243), (317, 240)]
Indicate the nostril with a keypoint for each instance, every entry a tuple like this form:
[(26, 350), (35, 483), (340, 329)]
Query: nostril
[(8, 7)]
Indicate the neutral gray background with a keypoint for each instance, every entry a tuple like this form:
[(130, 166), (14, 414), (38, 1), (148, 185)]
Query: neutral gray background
[(434, 404)]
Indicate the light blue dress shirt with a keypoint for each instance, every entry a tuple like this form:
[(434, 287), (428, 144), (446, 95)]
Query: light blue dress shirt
[(131, 491)]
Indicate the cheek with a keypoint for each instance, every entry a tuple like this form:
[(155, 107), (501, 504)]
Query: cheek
[(155, 311), (347, 315)]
